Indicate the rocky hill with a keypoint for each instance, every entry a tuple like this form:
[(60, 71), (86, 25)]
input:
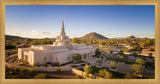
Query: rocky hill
[(12, 37), (130, 37), (93, 35)]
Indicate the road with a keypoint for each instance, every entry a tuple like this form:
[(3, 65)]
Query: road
[(60, 75)]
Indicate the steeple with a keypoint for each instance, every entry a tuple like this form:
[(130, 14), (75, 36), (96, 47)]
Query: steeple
[(62, 29), (62, 39)]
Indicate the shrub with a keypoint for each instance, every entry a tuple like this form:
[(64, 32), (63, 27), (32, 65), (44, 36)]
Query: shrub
[(130, 76), (97, 52), (140, 61), (108, 75), (10, 52), (25, 62), (34, 70), (121, 52), (111, 52), (77, 57), (113, 64), (135, 54), (16, 69), (137, 68), (10, 47), (95, 69), (102, 72), (87, 70), (78, 77), (45, 65), (40, 76), (23, 70), (151, 49), (150, 55), (36, 64)]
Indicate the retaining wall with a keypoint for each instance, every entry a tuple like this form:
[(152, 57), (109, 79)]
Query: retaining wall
[(53, 69)]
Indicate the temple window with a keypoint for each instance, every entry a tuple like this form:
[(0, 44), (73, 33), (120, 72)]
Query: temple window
[(84, 56), (68, 58)]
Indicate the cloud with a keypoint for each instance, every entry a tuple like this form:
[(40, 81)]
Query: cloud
[(39, 34), (148, 35)]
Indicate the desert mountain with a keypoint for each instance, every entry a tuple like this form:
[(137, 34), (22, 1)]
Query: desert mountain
[(93, 35), (131, 37), (12, 37)]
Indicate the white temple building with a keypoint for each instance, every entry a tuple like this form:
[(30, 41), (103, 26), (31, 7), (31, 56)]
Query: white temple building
[(60, 52)]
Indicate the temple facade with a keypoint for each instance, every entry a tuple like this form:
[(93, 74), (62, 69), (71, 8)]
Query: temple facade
[(61, 51)]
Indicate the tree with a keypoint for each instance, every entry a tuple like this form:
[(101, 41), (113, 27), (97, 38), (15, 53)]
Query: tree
[(125, 57), (135, 54), (151, 49), (125, 49), (121, 57), (10, 47), (101, 43), (97, 52), (75, 40), (136, 47), (102, 72), (108, 75), (139, 48), (113, 64), (140, 61), (137, 68), (121, 52), (105, 74), (142, 45), (87, 70), (77, 57), (150, 55), (111, 52), (130, 76)]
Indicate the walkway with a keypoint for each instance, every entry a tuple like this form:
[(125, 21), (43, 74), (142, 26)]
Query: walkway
[(9, 62), (60, 75)]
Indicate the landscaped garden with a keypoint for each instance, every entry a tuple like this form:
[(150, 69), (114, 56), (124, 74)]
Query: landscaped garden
[(17, 73)]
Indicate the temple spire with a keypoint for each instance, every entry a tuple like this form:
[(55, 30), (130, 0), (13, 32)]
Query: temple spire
[(62, 29)]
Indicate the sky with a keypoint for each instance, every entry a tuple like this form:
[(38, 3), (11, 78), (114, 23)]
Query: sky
[(112, 21)]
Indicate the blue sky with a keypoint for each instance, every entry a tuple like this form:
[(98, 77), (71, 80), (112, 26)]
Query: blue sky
[(40, 21)]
